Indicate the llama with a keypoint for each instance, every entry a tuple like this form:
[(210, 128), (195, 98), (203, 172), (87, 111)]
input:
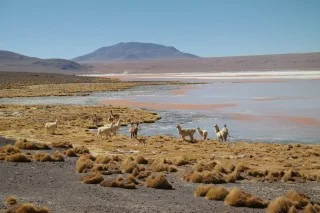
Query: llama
[(105, 131), (111, 119), (203, 133), (226, 132), (114, 116), (132, 130), (51, 126), (221, 135), (115, 127), (186, 132), (96, 120)]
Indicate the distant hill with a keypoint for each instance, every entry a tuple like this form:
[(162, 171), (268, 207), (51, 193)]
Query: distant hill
[(296, 61), (10, 61), (133, 51)]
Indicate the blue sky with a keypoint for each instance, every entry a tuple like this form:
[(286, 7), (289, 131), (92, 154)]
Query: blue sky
[(66, 29)]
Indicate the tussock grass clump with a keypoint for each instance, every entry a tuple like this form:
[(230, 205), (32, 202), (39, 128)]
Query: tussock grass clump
[(233, 177), (204, 166), (70, 153), (25, 144), (10, 200), (161, 165), (102, 159), (289, 175), (241, 167), (128, 165), (280, 204), (293, 210), (309, 209), (202, 190), (30, 208), (57, 156), (81, 150), (239, 198), (64, 145), (219, 168), (43, 157), (180, 161), (84, 164), (141, 160), (119, 182), (9, 149), (144, 174), (299, 200), (172, 169), (217, 193), (158, 182), (94, 178), (255, 173), (18, 157), (204, 177), (107, 169)]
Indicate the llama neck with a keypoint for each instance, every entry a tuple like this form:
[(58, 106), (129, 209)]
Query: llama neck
[(217, 129)]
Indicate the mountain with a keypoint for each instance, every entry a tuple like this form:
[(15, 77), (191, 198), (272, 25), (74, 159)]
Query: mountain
[(133, 51), (10, 61)]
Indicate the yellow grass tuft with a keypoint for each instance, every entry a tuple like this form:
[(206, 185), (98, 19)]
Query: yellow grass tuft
[(205, 166), (65, 145), (102, 159), (204, 177), (293, 210), (202, 190), (25, 144), (57, 156), (158, 182), (84, 164), (128, 165), (9, 149), (10, 200), (280, 204), (299, 200), (70, 153), (239, 198), (217, 193), (40, 156), (141, 160), (310, 209), (81, 150), (94, 178), (18, 157), (289, 175), (30, 208), (180, 161), (119, 182), (172, 169)]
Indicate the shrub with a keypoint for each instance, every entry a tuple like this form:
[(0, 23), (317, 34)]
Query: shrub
[(70, 153), (40, 156), (65, 145), (30, 208), (118, 182), (298, 200), (242, 199), (309, 209), (217, 193), (128, 165), (18, 157), (81, 150), (158, 182), (57, 156), (141, 160), (10, 200), (25, 144), (202, 190), (102, 159), (94, 178), (84, 164), (280, 204)]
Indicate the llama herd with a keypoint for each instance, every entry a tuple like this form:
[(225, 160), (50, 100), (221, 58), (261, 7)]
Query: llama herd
[(108, 130)]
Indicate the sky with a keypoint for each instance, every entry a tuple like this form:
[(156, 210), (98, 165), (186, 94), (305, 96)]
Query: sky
[(70, 28)]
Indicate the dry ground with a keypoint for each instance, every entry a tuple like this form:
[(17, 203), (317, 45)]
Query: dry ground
[(13, 84)]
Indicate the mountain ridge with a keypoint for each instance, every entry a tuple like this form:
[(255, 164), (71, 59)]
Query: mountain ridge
[(133, 51)]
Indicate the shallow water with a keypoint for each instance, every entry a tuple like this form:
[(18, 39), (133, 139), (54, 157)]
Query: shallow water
[(284, 111)]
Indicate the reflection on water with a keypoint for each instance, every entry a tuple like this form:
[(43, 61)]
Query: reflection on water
[(275, 112)]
